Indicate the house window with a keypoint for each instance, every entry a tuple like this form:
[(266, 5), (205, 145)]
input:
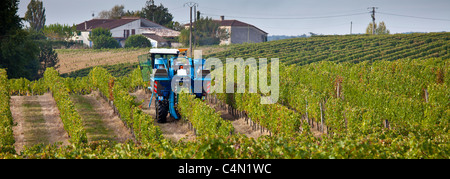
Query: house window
[(133, 31), (126, 33)]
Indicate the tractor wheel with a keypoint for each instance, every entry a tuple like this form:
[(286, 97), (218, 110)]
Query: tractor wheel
[(162, 109)]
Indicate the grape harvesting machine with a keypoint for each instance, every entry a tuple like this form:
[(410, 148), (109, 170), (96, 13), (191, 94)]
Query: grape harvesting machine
[(168, 72)]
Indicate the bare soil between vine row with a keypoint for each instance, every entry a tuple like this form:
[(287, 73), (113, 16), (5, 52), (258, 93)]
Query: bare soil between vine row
[(36, 120), (174, 130), (99, 119)]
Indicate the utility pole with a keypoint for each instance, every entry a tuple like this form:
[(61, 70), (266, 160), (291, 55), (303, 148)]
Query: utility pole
[(351, 26), (190, 4), (190, 34), (373, 18), (248, 33), (195, 14), (195, 20)]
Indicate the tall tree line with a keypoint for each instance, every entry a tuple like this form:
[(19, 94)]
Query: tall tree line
[(24, 52)]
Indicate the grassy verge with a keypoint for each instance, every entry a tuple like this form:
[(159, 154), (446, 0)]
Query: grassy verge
[(95, 128), (35, 123)]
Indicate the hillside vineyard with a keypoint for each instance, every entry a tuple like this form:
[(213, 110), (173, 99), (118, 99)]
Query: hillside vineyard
[(349, 48), (340, 97)]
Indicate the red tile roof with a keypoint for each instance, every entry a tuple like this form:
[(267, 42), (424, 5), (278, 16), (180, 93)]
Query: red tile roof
[(233, 23), (105, 23)]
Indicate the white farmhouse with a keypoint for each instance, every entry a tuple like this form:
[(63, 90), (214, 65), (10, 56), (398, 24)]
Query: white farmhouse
[(240, 32), (121, 29)]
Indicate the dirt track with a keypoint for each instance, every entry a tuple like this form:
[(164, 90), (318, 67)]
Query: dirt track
[(99, 119), (173, 129), (38, 121)]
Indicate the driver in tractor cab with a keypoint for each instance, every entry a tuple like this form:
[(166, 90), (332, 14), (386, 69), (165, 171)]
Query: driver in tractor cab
[(183, 52)]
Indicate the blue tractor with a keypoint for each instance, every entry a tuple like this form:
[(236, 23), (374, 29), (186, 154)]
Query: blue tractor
[(169, 71)]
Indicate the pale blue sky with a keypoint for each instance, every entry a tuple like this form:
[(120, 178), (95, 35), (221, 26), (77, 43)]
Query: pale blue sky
[(278, 17)]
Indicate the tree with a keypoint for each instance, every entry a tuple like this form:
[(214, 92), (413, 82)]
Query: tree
[(19, 55), (105, 42), (47, 58), (158, 14), (133, 13), (117, 12), (35, 15), (137, 41), (102, 38), (58, 31), (175, 26), (18, 52), (99, 32), (9, 20), (379, 29), (207, 32), (184, 37)]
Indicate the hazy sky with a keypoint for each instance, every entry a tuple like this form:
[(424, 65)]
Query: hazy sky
[(278, 17)]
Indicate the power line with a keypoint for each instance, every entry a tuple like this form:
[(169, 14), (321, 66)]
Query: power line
[(234, 11), (417, 17), (297, 18), (176, 8)]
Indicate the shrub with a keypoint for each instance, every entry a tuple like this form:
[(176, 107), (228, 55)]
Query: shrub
[(137, 41), (105, 42), (102, 38)]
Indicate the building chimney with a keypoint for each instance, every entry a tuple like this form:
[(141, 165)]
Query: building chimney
[(85, 25), (222, 18)]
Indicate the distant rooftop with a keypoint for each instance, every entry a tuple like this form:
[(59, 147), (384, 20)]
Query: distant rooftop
[(147, 25), (113, 23), (224, 22), (104, 23)]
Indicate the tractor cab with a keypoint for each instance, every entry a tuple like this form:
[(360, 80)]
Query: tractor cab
[(159, 61)]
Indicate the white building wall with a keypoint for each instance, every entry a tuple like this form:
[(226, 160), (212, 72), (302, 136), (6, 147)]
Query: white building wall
[(84, 37), (249, 34), (118, 31), (153, 42)]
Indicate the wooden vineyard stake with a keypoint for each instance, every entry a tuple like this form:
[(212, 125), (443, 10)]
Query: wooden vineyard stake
[(338, 90), (307, 118), (321, 117), (386, 124)]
